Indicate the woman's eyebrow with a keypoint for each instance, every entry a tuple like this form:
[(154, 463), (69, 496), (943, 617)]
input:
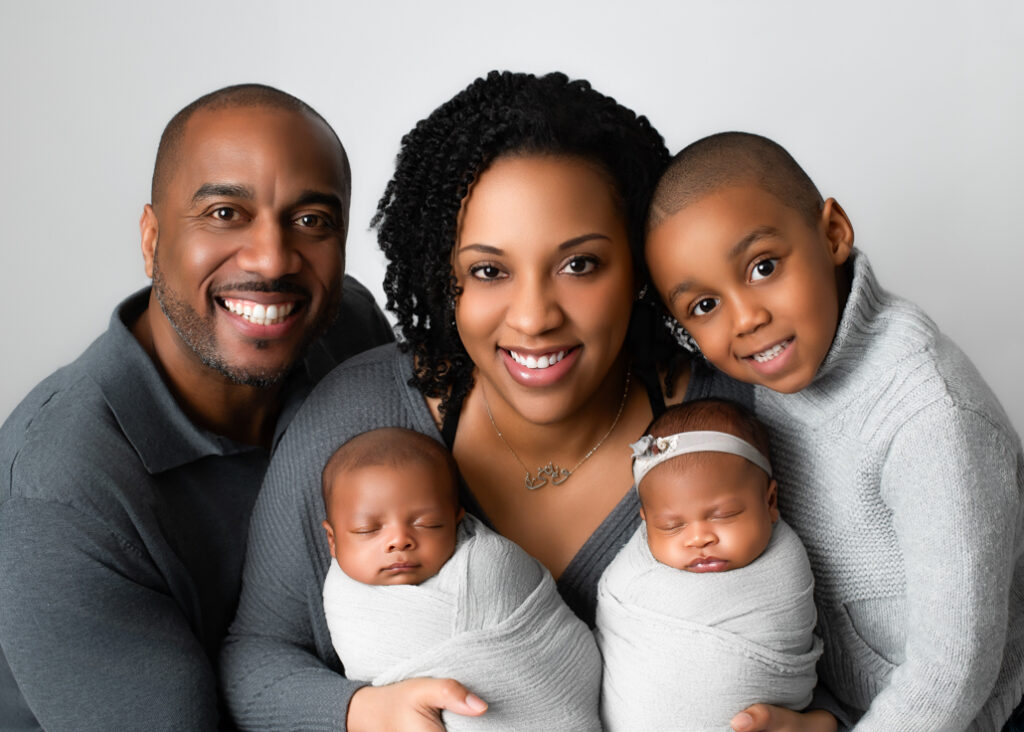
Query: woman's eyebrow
[(581, 239)]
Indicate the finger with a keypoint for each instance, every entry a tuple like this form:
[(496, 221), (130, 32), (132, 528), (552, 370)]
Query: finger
[(752, 719), (452, 696)]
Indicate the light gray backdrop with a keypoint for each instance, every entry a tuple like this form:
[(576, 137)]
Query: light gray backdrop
[(910, 114)]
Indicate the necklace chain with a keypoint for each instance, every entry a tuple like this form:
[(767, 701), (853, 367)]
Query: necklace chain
[(552, 473)]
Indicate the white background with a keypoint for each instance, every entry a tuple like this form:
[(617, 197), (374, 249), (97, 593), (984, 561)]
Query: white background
[(910, 114)]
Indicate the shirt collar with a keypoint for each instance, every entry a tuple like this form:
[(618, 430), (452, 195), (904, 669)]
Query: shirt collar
[(150, 418)]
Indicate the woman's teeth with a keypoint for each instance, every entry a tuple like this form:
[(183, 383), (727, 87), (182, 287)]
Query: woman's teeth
[(772, 352), (259, 314), (531, 362)]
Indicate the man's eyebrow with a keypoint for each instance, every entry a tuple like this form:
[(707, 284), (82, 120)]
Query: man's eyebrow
[(327, 199), (761, 232), (221, 190)]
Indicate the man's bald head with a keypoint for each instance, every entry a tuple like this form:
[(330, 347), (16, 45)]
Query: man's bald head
[(731, 159), (257, 96)]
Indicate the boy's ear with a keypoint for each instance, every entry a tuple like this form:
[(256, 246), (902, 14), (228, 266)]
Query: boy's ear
[(838, 231), (460, 514), (148, 230), (643, 516), (330, 537), (773, 500)]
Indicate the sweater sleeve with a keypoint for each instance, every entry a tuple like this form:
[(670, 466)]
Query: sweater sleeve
[(89, 629), (950, 477), (278, 667)]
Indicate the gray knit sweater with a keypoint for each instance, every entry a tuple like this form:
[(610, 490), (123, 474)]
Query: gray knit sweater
[(904, 478)]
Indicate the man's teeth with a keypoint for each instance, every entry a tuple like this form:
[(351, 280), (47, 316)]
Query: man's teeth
[(259, 314), (772, 352), (531, 362)]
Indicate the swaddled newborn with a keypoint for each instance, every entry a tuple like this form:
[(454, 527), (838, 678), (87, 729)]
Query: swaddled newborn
[(416, 588), (709, 607)]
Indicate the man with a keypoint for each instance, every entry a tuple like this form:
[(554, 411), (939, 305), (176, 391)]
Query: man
[(127, 478)]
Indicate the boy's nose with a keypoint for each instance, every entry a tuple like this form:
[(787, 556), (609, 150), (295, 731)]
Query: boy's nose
[(749, 315), (700, 536)]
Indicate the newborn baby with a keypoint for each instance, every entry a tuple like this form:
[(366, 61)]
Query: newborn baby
[(709, 607), (417, 588)]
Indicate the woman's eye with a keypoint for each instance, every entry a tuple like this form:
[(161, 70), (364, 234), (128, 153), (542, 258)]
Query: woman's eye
[(580, 266), (485, 272), (705, 306), (763, 269)]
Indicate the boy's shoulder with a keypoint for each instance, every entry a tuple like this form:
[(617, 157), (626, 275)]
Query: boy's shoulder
[(891, 357)]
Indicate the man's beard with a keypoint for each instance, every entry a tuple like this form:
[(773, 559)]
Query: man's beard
[(199, 333)]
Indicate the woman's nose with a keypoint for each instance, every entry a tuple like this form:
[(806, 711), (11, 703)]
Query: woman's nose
[(535, 308)]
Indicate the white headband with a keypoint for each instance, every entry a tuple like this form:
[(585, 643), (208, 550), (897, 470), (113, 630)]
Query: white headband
[(650, 451)]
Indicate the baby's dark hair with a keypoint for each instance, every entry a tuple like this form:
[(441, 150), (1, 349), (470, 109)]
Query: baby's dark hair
[(391, 447), (499, 115), (728, 159), (719, 415)]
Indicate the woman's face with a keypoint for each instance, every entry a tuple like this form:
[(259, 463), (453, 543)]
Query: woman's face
[(543, 260)]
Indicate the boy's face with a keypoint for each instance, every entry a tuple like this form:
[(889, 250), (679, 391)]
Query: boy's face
[(710, 512), (392, 526), (753, 282)]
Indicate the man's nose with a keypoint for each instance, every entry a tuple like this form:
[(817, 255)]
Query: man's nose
[(267, 251)]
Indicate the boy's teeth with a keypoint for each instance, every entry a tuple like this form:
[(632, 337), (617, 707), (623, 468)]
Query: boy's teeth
[(260, 314), (771, 352), (532, 362)]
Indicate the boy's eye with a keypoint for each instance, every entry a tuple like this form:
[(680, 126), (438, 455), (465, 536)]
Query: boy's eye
[(485, 272), (763, 269), (580, 265), (705, 306)]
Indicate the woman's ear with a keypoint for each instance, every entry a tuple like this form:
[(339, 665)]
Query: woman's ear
[(837, 230)]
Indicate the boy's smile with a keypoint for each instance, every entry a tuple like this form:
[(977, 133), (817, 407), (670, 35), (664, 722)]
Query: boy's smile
[(754, 283)]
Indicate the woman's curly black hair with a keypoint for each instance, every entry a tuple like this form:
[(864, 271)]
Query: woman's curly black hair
[(501, 114)]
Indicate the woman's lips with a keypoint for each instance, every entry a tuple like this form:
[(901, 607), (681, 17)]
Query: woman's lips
[(548, 366)]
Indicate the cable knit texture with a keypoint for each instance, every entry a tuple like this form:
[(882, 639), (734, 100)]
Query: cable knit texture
[(904, 478)]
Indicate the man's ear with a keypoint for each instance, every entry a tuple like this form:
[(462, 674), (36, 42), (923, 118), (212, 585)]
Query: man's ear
[(149, 229), (643, 516), (773, 500), (838, 231)]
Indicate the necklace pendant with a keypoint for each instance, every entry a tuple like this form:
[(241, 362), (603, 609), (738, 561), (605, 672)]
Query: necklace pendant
[(559, 476), (533, 483)]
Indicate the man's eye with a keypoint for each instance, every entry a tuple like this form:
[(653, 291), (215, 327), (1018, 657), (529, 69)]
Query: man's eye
[(225, 213), (580, 266), (763, 269), (312, 221), (485, 272), (705, 306)]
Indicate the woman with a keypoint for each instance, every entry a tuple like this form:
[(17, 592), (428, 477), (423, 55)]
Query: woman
[(513, 232)]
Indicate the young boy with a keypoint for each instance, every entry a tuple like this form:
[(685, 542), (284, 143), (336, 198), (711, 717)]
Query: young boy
[(709, 608), (418, 588), (904, 476)]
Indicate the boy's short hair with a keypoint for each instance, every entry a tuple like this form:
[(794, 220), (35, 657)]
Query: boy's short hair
[(390, 447), (728, 159), (719, 415)]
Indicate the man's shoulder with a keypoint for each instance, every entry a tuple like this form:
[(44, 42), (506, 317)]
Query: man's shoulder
[(63, 429)]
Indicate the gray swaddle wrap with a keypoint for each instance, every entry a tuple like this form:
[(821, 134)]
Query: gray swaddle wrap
[(492, 619), (686, 652)]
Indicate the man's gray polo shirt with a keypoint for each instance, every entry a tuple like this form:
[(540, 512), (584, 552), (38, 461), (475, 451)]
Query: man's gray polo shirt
[(123, 525)]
